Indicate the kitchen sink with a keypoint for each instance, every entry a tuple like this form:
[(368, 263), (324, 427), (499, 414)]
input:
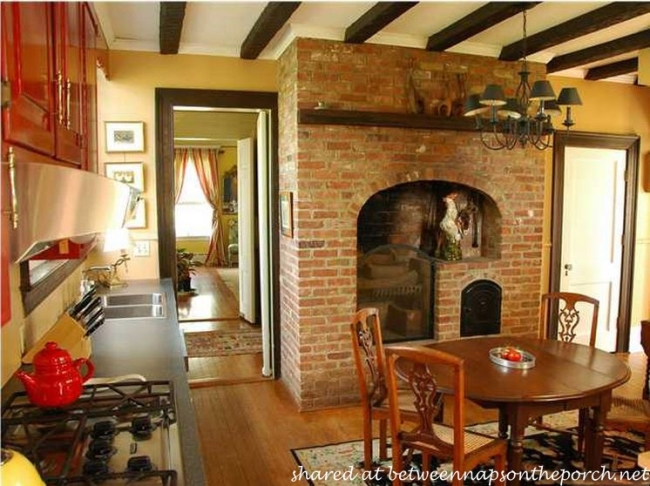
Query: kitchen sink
[(132, 299), (134, 311)]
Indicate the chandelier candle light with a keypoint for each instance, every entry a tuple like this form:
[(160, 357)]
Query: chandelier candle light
[(504, 122)]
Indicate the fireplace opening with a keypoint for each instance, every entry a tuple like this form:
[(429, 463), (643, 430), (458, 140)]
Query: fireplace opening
[(398, 280), (480, 309), (415, 214)]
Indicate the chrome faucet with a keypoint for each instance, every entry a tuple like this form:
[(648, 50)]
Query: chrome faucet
[(106, 275)]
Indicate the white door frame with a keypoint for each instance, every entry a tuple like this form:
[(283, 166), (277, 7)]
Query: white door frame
[(630, 144)]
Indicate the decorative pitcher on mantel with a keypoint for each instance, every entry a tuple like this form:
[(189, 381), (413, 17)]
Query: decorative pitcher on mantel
[(57, 380)]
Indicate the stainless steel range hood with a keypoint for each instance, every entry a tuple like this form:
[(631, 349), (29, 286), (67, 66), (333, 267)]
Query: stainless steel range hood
[(51, 203)]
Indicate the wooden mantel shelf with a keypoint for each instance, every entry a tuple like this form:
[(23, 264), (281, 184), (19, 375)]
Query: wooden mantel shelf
[(384, 119)]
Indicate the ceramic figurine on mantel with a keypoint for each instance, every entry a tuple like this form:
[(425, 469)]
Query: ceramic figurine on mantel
[(451, 232)]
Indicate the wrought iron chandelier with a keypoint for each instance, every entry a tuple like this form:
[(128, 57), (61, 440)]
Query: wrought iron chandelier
[(524, 119)]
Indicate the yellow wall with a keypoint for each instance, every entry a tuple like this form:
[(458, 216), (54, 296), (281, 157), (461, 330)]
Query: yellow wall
[(614, 108), (198, 246), (129, 96)]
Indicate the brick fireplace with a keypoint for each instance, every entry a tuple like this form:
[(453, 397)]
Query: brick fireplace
[(334, 172)]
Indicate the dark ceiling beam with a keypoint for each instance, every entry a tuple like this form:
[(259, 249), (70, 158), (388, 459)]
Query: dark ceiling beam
[(633, 42), (171, 26), (375, 19), (270, 21), (598, 19), (614, 69), (478, 21)]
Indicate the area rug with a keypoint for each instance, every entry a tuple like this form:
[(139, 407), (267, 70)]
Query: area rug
[(207, 344), (550, 451)]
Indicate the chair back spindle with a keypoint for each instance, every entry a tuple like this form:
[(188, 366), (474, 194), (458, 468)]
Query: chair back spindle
[(567, 315)]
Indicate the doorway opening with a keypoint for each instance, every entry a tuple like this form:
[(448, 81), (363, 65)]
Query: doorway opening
[(226, 341), (602, 162)]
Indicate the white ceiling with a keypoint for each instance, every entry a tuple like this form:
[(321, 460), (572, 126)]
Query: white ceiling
[(219, 28)]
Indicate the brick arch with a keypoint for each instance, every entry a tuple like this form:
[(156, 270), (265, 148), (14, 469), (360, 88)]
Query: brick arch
[(387, 181)]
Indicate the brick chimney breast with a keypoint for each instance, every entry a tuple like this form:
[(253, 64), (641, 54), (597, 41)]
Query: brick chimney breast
[(337, 172)]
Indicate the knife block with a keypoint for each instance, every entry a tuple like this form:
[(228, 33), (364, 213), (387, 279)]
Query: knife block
[(68, 334)]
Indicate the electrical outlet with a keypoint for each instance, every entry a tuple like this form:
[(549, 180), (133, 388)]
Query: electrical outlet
[(141, 249)]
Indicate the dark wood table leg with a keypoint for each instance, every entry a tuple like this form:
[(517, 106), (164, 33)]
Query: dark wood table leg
[(517, 420), (594, 439), (503, 425)]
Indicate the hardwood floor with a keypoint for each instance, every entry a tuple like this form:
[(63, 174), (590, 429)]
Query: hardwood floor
[(213, 299), (248, 430), (215, 307)]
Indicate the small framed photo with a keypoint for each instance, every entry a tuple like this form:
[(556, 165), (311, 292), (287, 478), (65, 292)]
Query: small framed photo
[(129, 173), (124, 137), (139, 219), (286, 213)]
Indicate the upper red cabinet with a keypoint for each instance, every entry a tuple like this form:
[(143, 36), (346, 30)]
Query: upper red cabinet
[(27, 73), (48, 51), (68, 81)]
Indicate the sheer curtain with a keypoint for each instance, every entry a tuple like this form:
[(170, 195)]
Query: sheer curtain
[(181, 155), (205, 161)]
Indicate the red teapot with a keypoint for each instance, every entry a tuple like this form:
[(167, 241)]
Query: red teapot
[(57, 380)]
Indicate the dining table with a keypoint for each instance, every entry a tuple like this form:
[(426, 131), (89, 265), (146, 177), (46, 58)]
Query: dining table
[(565, 376)]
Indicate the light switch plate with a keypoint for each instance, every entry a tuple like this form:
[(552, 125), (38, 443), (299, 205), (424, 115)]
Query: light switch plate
[(141, 249)]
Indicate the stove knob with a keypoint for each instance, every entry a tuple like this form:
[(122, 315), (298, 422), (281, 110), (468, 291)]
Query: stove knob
[(100, 449), (104, 429), (141, 427), (139, 464), (95, 467)]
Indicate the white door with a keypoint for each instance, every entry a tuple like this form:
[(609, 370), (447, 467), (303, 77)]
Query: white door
[(592, 229), (264, 232), (246, 225)]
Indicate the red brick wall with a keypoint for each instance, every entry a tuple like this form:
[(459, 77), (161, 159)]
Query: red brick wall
[(333, 170)]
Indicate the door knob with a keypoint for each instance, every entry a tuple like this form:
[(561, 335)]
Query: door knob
[(567, 268)]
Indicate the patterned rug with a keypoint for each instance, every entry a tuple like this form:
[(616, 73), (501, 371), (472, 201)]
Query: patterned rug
[(550, 451), (207, 344)]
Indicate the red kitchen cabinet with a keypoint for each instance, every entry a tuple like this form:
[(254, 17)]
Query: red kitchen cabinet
[(91, 43), (68, 81), (27, 70), (48, 56)]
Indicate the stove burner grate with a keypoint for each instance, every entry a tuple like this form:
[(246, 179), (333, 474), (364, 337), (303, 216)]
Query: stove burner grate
[(54, 439), (162, 478)]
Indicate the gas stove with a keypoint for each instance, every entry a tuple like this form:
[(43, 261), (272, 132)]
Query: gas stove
[(114, 434)]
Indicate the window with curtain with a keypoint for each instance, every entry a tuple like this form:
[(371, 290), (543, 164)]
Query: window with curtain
[(193, 214)]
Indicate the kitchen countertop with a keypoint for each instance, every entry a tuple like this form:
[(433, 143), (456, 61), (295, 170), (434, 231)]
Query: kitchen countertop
[(154, 348)]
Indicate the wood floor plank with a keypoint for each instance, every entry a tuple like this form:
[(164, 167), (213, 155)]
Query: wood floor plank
[(216, 308)]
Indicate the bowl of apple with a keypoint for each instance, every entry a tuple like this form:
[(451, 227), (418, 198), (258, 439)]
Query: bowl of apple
[(512, 357)]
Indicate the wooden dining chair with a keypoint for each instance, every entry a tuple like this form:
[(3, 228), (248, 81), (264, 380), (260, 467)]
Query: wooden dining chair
[(420, 367), (565, 309), (368, 351), (634, 413)]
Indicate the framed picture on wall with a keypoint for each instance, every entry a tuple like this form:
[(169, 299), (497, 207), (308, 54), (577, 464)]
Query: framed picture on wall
[(286, 213), (131, 173), (124, 137)]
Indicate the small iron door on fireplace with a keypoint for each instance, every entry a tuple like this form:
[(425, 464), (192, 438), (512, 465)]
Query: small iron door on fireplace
[(480, 304)]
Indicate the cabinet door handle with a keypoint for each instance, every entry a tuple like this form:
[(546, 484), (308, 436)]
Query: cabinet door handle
[(59, 90), (11, 163), (68, 95)]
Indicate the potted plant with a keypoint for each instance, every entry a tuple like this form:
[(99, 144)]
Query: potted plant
[(185, 268)]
